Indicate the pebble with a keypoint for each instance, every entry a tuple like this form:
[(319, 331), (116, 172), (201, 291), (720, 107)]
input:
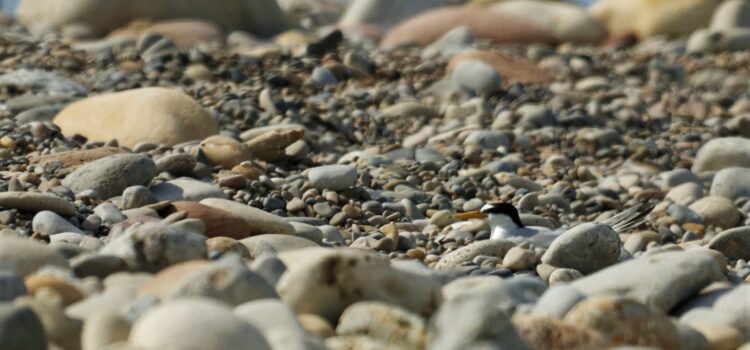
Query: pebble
[(477, 77), (716, 210), (186, 189), (110, 176), (587, 248), (48, 223), (277, 322), (383, 321), (733, 243), (332, 177)]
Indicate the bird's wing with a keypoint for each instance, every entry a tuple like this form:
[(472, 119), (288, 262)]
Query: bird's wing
[(630, 217)]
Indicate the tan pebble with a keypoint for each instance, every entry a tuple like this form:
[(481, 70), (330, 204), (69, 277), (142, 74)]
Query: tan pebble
[(316, 325), (67, 292)]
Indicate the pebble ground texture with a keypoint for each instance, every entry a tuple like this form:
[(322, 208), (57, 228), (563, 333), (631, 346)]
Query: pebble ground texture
[(190, 186)]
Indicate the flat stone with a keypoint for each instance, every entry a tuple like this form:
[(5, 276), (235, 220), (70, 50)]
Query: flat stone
[(36, 202), (732, 182), (111, 175), (382, 321), (275, 243), (672, 277), (260, 221), (456, 258), (219, 223), (48, 223), (722, 152), (733, 243), (25, 256), (332, 177), (186, 189)]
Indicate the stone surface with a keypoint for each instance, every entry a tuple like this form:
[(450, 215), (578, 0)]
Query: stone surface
[(111, 175), (495, 248), (36, 202), (174, 325), (154, 246), (103, 329), (731, 14), (186, 189), (541, 332), (499, 27), (568, 23), (625, 322), (183, 32), (172, 117), (647, 18), (383, 13), (385, 322), (326, 281), (102, 16), (511, 68), (671, 279), (731, 183), (219, 223), (332, 177), (718, 211), (20, 328), (259, 221), (224, 151), (277, 322), (733, 243), (588, 248), (477, 76), (275, 243), (25, 256), (48, 223), (271, 146), (722, 152)]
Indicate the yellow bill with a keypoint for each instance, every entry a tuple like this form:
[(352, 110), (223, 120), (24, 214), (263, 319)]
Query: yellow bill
[(469, 215)]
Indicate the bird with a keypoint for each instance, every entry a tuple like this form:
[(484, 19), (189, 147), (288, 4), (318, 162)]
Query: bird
[(505, 222)]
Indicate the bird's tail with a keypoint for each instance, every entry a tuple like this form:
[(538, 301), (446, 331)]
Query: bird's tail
[(630, 217)]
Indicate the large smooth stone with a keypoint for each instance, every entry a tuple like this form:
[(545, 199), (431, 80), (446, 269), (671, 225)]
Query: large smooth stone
[(333, 177), (275, 243), (277, 322), (194, 324), (20, 328), (326, 281), (383, 13), (731, 183), (723, 152), (219, 223), (647, 18), (495, 248), (623, 321), (24, 256), (151, 115), (154, 246), (733, 243), (186, 189), (262, 17), (567, 22), (36, 202), (111, 175), (660, 281), (588, 247), (499, 27), (260, 221)]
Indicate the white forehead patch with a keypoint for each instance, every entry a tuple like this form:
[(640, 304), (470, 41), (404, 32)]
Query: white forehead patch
[(486, 207)]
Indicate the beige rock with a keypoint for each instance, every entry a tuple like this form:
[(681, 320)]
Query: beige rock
[(69, 293), (385, 322), (647, 18), (543, 332), (325, 281), (567, 22), (259, 221), (183, 32), (78, 157), (224, 151), (625, 322), (171, 116), (262, 17), (219, 223), (316, 325), (717, 210), (271, 146), (719, 337)]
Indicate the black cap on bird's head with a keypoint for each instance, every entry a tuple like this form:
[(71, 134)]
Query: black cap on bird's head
[(502, 208)]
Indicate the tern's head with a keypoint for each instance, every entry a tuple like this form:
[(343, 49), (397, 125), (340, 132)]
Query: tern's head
[(502, 214)]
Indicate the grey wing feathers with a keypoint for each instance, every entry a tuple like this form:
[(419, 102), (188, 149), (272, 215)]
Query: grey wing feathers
[(630, 217)]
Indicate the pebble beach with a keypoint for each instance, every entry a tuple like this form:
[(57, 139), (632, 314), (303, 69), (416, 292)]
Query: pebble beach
[(292, 174)]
